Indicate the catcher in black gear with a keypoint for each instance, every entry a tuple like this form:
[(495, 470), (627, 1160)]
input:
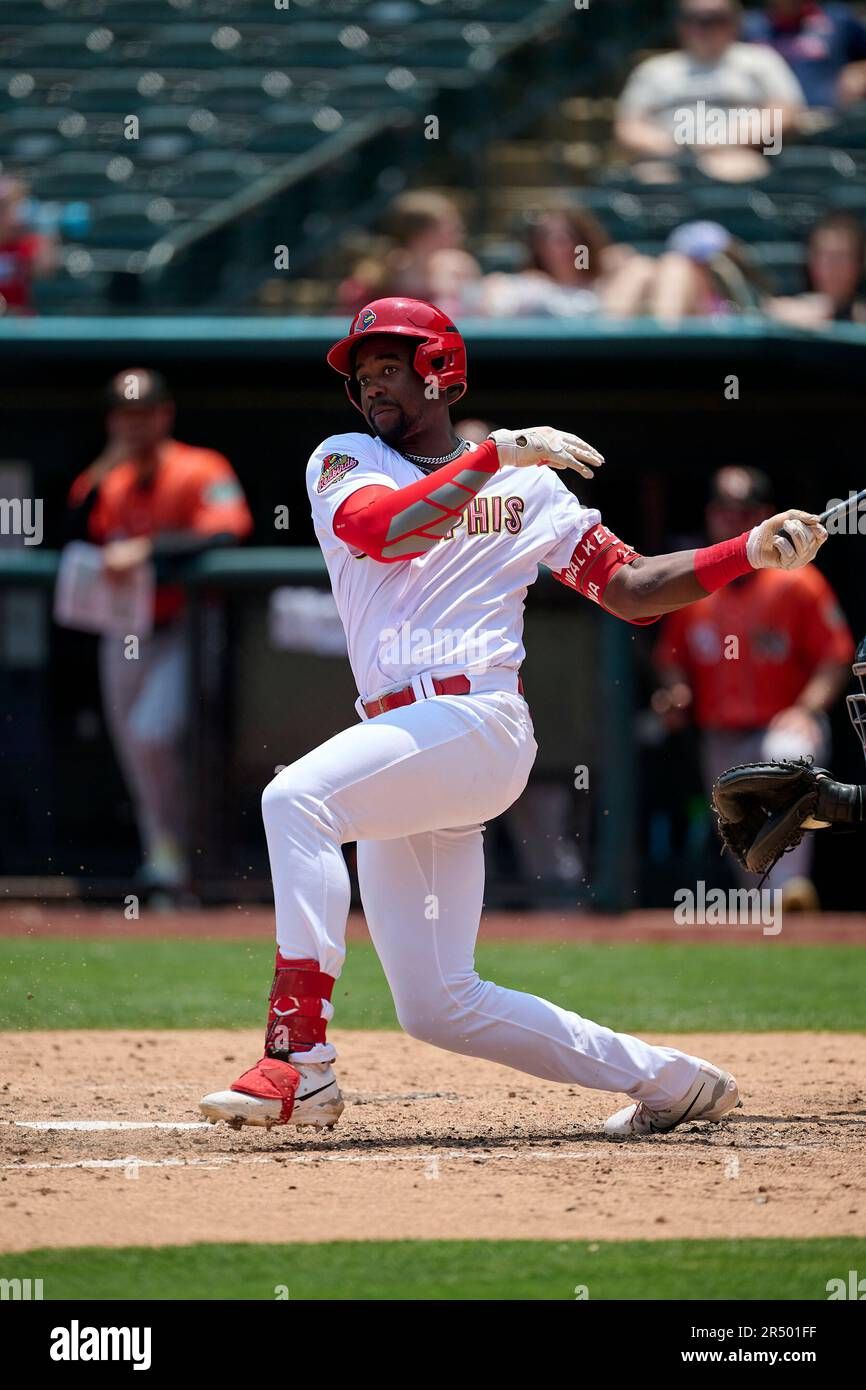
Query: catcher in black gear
[(764, 808)]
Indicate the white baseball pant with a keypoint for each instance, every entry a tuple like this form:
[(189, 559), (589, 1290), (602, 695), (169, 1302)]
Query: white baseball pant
[(144, 700), (413, 787)]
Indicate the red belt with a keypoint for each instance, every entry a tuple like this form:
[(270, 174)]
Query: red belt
[(395, 699)]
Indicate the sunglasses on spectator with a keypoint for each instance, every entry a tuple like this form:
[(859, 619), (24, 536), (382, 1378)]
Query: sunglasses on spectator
[(708, 20)]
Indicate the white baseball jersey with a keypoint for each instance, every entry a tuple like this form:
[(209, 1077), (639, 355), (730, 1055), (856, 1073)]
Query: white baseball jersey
[(459, 607)]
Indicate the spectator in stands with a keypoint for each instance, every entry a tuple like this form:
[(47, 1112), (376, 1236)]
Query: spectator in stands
[(704, 271), (573, 267), (426, 258), (687, 102), (835, 259), (824, 46), (24, 255), (147, 496), (757, 664)]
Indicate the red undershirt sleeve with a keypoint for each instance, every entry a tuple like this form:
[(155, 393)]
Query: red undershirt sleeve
[(391, 524)]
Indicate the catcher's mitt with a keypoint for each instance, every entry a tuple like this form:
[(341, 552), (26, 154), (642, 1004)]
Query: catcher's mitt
[(763, 809)]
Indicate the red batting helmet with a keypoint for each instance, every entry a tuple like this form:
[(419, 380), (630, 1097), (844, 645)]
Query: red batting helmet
[(441, 352)]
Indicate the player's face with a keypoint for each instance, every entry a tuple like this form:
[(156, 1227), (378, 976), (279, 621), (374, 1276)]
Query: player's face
[(730, 516), (140, 428), (391, 391)]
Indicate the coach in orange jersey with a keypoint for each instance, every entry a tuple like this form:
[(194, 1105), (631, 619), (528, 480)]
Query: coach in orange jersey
[(149, 496), (758, 664)]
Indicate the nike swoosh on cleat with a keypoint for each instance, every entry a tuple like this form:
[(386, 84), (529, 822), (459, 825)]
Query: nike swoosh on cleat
[(693, 1104), (657, 1129), (299, 1100)]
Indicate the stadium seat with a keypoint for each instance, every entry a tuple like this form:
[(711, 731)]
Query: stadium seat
[(288, 132), (128, 220), (77, 174), (784, 263), (126, 89), (17, 12), (164, 148), (72, 294), (850, 131), (809, 169), (797, 213), (220, 173), (61, 46), (748, 213), (28, 147)]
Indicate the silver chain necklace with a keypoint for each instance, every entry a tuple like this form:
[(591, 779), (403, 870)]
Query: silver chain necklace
[(427, 462)]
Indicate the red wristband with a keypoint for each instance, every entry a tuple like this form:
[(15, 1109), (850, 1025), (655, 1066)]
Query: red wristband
[(717, 565)]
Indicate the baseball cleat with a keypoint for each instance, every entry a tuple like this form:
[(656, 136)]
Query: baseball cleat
[(278, 1093), (711, 1096)]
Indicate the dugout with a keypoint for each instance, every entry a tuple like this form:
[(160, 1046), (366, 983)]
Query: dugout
[(666, 410)]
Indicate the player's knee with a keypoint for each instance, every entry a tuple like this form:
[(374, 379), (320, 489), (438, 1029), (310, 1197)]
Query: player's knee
[(438, 1015), (421, 1020), (289, 801), (283, 797)]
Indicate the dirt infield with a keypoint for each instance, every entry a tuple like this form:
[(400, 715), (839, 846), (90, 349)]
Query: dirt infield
[(430, 1145), (230, 923)]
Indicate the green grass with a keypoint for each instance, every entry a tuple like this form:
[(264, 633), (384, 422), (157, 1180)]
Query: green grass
[(224, 984), (419, 1269)]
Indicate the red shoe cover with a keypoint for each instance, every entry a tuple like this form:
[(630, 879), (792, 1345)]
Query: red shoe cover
[(271, 1079)]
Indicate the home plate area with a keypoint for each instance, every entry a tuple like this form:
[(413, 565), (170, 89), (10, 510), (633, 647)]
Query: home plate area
[(101, 1143)]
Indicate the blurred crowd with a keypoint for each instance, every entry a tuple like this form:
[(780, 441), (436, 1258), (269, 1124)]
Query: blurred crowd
[(740, 88), (779, 73), (573, 269), (27, 254)]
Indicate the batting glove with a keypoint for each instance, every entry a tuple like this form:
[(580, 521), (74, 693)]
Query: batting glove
[(543, 444), (786, 541)]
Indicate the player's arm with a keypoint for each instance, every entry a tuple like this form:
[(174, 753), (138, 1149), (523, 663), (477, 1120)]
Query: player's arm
[(121, 556), (824, 687), (392, 524), (217, 515), (672, 664), (648, 586)]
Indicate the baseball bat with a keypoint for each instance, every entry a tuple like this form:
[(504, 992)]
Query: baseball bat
[(833, 511)]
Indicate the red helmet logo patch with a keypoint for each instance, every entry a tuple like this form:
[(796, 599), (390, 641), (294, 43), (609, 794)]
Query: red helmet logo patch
[(365, 320)]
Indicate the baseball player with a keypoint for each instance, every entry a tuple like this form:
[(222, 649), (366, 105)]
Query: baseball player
[(149, 496), (764, 659), (431, 543)]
